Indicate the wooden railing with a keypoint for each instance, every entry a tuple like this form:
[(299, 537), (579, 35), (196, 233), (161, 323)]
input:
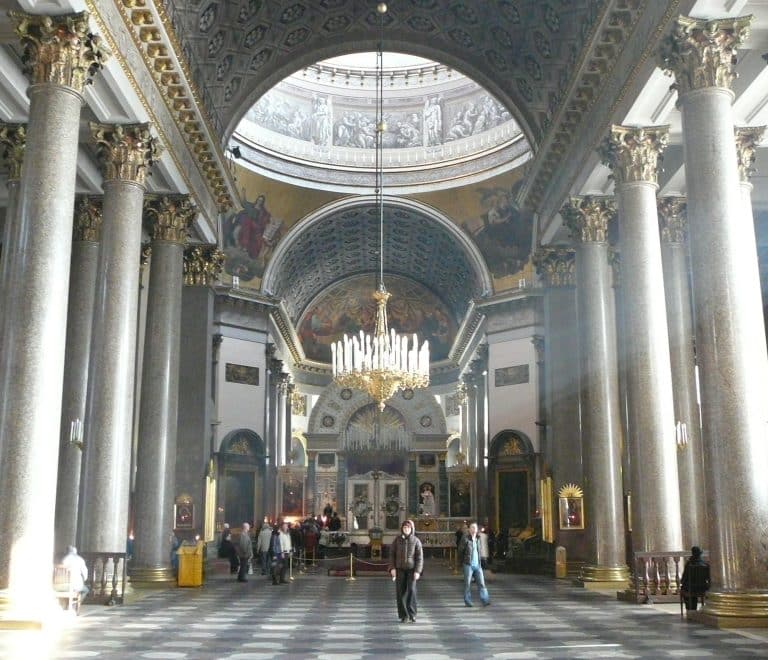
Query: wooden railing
[(657, 575), (106, 577)]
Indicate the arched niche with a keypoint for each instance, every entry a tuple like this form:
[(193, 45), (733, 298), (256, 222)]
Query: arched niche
[(242, 461), (512, 480)]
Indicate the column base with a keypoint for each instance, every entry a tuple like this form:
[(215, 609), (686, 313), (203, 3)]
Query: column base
[(602, 577), (152, 576), (746, 609)]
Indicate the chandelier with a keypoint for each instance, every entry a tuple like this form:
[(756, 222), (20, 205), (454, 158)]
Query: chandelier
[(384, 362)]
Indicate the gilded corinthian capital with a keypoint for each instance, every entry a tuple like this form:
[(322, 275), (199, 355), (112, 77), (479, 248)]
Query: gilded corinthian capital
[(125, 151), (557, 266), (672, 218), (588, 217), (169, 216), (60, 50), (633, 153), (747, 140), (702, 53), (87, 225), (202, 264), (13, 139)]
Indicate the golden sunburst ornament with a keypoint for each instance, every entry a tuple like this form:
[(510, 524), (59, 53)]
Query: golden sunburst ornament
[(570, 490)]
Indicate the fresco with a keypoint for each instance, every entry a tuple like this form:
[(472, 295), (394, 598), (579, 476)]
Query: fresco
[(348, 307)]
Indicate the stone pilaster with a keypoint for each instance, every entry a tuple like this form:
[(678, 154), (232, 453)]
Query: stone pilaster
[(633, 154), (728, 316), (168, 218), (588, 218), (82, 291), (690, 458), (125, 153), (60, 54), (274, 369), (480, 373)]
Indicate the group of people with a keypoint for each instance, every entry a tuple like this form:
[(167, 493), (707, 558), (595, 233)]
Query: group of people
[(407, 566), (274, 547)]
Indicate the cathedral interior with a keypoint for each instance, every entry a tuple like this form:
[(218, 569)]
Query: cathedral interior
[(567, 200)]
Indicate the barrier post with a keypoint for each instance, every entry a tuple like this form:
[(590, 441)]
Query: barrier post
[(351, 577), (290, 566)]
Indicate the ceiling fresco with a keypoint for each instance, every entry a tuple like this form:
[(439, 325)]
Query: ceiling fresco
[(348, 307), (524, 51)]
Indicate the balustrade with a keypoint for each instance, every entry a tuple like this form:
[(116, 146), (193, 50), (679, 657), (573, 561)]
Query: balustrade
[(106, 577)]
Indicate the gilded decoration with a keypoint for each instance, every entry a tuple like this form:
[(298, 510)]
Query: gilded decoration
[(557, 266), (146, 253), (125, 151), (634, 153), (747, 140), (60, 50), (588, 217), (88, 217), (202, 265), (702, 53), (512, 447), (672, 219), (169, 216), (13, 139)]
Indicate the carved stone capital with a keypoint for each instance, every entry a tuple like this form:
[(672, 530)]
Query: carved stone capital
[(169, 216), (588, 217), (283, 383), (202, 264), (87, 225), (747, 140), (13, 139), (125, 151), (60, 50), (146, 253), (672, 218), (702, 53), (634, 153), (556, 265)]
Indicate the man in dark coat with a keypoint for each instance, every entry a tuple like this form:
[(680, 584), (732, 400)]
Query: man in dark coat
[(695, 581), (406, 565)]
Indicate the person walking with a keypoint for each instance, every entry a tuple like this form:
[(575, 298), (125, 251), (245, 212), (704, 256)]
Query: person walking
[(469, 555), (406, 566), (281, 550), (244, 552), (262, 546)]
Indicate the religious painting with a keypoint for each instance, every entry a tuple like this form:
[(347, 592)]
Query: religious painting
[(427, 460), (293, 497), (184, 513), (326, 461), (461, 498), (516, 375), (299, 404), (349, 307), (427, 499), (571, 507), (505, 235), (239, 373), (248, 239)]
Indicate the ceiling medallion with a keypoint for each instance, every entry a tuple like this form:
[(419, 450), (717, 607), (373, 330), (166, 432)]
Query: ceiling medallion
[(381, 364)]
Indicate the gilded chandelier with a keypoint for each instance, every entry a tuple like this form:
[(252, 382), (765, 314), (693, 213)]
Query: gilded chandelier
[(384, 362)]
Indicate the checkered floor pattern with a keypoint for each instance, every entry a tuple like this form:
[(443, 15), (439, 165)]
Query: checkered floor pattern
[(326, 617)]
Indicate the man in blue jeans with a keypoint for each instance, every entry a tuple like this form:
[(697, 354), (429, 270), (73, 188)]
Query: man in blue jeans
[(469, 552)]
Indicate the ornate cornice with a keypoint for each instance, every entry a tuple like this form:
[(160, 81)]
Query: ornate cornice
[(588, 218), (60, 50), (13, 139), (125, 151), (169, 216), (87, 222), (616, 27), (702, 53), (557, 266), (747, 140), (672, 218), (634, 153), (202, 264), (155, 38)]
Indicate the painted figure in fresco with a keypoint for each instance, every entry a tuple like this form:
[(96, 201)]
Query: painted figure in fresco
[(321, 121), (433, 122), (252, 221)]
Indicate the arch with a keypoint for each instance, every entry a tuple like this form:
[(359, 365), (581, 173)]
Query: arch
[(510, 443), (243, 443)]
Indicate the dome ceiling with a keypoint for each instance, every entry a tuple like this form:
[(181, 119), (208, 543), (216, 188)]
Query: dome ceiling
[(345, 243)]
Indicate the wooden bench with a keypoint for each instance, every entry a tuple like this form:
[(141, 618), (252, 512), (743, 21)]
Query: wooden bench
[(62, 587)]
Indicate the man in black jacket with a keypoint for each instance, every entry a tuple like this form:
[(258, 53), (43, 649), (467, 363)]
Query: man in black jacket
[(469, 556), (406, 565)]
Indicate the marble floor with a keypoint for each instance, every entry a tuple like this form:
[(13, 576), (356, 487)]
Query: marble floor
[(328, 617)]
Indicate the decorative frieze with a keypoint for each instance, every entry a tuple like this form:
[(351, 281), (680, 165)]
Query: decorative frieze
[(747, 140), (633, 153), (556, 265), (125, 151), (672, 219), (60, 50), (702, 53), (588, 217), (88, 217), (169, 216), (13, 139), (202, 265)]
